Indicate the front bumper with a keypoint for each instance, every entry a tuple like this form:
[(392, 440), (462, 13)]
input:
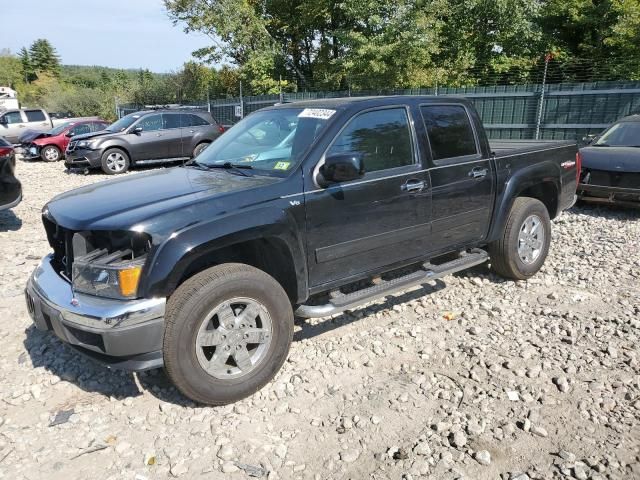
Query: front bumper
[(30, 152), (83, 157), (610, 195), (119, 334)]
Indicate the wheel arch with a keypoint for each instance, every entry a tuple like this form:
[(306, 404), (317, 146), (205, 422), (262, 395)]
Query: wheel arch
[(541, 181)]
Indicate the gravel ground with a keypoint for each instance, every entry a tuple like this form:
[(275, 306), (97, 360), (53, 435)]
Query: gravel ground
[(473, 377)]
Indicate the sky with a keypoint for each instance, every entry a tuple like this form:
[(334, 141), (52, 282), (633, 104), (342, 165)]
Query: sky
[(112, 33)]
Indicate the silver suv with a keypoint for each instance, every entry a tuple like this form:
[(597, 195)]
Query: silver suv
[(146, 137)]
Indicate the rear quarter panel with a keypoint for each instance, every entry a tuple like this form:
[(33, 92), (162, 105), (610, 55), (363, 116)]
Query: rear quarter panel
[(520, 171)]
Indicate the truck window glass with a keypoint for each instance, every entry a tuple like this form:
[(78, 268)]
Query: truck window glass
[(13, 117), (382, 136), (35, 116), (150, 123), (450, 132)]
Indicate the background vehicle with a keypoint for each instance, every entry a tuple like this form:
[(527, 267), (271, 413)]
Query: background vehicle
[(611, 165), (50, 145), (10, 188), (200, 268), (14, 123), (147, 137), (8, 98)]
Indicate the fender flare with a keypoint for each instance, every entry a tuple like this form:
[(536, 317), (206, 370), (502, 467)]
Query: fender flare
[(546, 172), (179, 250)]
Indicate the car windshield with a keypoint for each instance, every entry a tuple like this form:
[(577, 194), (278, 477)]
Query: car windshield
[(624, 134), (124, 123), (269, 141), (59, 129)]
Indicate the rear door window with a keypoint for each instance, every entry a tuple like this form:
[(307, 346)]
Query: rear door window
[(450, 132), (171, 120), (35, 116)]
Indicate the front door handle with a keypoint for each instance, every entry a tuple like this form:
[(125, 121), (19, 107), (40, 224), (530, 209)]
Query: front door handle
[(478, 172), (413, 186)]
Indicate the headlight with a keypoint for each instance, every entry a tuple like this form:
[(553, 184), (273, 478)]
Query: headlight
[(85, 144), (118, 280), (108, 264)]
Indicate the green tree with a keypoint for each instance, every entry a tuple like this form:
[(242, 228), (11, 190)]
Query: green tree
[(44, 58)]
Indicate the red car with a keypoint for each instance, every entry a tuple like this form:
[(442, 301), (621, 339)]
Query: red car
[(50, 146)]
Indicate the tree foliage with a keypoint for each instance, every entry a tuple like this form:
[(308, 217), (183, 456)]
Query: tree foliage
[(328, 44)]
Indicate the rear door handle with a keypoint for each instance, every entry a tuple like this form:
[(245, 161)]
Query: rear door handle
[(478, 172), (413, 186)]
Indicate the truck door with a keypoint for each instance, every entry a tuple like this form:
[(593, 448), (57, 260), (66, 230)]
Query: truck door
[(37, 120), (12, 126), (462, 180), (378, 220)]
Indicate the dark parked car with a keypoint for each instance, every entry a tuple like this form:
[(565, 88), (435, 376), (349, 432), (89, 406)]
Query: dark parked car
[(314, 208), (10, 188), (611, 165), (50, 146), (155, 136)]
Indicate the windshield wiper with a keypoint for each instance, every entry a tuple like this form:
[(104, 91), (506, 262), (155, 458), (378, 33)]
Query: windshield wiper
[(237, 168)]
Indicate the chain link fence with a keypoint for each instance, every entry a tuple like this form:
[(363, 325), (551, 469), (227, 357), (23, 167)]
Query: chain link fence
[(552, 111)]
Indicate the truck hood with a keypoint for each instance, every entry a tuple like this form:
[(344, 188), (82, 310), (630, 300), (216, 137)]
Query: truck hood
[(139, 199), (614, 159)]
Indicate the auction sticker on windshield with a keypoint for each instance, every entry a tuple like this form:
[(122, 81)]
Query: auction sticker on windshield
[(282, 165), (321, 113)]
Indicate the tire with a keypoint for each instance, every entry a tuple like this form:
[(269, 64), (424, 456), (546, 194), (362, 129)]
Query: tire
[(115, 161), (50, 153), (199, 148), (191, 322), (519, 254)]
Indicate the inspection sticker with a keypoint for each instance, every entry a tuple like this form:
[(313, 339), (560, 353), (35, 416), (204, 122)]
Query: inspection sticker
[(282, 165), (321, 113)]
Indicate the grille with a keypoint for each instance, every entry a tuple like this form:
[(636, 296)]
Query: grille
[(613, 179), (60, 240)]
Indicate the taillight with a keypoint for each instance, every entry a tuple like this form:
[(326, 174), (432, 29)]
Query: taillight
[(578, 166), (5, 151), (220, 128)]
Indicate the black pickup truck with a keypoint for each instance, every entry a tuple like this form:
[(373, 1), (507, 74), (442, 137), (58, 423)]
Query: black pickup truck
[(304, 209)]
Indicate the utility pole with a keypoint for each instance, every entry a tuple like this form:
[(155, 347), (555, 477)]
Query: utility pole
[(547, 57), (241, 102)]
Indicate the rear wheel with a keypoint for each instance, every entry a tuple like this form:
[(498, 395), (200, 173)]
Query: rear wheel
[(200, 148), (524, 244), (115, 161), (50, 153), (228, 331)]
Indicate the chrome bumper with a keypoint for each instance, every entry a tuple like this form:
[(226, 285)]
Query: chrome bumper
[(125, 334)]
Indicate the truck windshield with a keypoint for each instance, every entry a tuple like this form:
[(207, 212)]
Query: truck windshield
[(624, 134), (124, 123), (269, 141)]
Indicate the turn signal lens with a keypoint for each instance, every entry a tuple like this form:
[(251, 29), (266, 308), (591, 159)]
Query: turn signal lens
[(128, 280)]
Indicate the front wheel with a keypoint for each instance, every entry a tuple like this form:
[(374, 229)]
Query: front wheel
[(228, 331), (115, 161), (50, 153), (523, 247)]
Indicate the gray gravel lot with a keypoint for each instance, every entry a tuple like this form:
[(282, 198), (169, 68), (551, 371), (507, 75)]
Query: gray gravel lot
[(473, 377)]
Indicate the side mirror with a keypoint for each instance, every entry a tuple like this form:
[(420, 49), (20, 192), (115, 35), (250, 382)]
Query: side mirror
[(137, 130), (68, 134), (3, 121), (589, 139), (342, 167)]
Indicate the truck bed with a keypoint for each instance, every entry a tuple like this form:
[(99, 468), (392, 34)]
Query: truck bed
[(514, 147)]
